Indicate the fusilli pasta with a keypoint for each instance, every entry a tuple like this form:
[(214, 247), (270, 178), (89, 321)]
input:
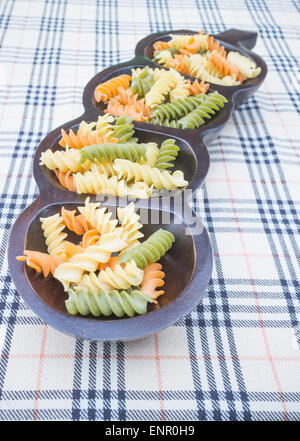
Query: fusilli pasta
[(151, 250), (151, 176), (53, 227), (119, 303)]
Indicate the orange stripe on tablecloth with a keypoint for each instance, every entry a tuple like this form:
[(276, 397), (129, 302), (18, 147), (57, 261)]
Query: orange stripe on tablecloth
[(253, 287), (40, 372)]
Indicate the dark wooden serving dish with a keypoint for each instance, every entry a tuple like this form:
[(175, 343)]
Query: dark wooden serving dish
[(188, 264)]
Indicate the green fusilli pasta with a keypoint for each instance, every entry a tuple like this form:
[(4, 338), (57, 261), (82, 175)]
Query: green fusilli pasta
[(165, 123), (212, 103), (168, 152), (176, 110), (142, 83), (118, 303), (151, 250), (123, 129), (128, 150)]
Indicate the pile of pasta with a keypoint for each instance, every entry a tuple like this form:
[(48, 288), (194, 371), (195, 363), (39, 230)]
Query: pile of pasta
[(200, 56), (109, 271), (160, 96), (105, 157)]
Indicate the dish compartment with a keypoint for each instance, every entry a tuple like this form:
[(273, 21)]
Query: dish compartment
[(187, 266)]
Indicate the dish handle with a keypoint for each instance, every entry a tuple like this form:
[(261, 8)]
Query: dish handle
[(237, 37)]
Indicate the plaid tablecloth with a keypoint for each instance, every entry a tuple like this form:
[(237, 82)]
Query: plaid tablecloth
[(236, 356)]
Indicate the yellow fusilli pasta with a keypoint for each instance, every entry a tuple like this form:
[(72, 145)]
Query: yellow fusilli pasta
[(95, 182), (201, 68), (63, 160), (246, 66), (138, 172), (89, 259), (117, 278), (104, 126), (52, 227), (130, 224), (98, 217), (161, 87)]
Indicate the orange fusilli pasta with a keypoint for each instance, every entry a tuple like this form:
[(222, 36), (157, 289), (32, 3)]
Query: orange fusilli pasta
[(66, 179), (105, 91), (161, 45), (153, 278), (78, 223), (223, 66), (197, 87), (83, 138), (41, 261)]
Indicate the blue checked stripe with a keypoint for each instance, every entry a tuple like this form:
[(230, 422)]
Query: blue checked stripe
[(237, 353)]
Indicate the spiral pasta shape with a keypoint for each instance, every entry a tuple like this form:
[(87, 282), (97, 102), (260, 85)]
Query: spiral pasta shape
[(214, 45), (173, 111), (168, 152), (201, 68), (126, 96), (195, 43), (90, 237), (161, 87), (41, 261), (179, 40), (72, 271), (213, 102), (120, 277), (98, 217), (52, 227), (180, 91), (224, 66), (178, 63), (246, 66), (156, 72), (69, 249), (149, 251), (63, 160), (130, 224), (95, 182), (83, 138), (124, 130), (153, 278), (104, 126), (105, 91), (152, 152), (196, 87), (138, 111), (118, 303), (66, 180), (163, 57), (165, 123), (151, 176), (78, 224), (132, 151), (199, 65), (161, 45), (142, 83)]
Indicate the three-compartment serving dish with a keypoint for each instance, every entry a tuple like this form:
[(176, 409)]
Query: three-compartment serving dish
[(188, 264)]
